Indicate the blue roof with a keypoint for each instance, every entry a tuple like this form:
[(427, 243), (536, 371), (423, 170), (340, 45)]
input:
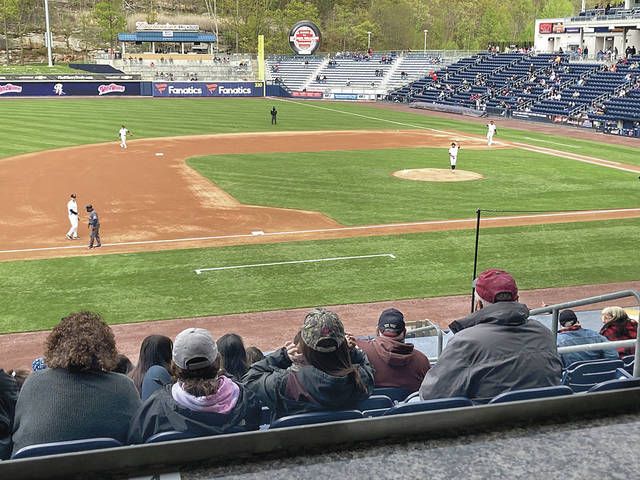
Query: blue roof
[(176, 36)]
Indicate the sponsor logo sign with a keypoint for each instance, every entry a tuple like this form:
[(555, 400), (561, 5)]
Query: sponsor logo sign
[(10, 88), (304, 37), (307, 94), (166, 27), (558, 28), (111, 88), (545, 28), (202, 89), (572, 30)]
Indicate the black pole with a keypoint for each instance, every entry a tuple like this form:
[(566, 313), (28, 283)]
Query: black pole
[(475, 258)]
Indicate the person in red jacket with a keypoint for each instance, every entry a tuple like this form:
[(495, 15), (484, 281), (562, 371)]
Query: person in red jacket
[(618, 326), (396, 363)]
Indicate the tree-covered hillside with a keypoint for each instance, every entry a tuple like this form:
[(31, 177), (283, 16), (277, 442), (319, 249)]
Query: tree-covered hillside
[(83, 25)]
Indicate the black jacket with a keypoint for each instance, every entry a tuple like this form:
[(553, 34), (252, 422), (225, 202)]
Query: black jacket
[(8, 398), (161, 413), (273, 382)]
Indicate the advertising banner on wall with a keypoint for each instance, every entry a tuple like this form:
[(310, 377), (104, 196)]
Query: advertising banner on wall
[(208, 89), (304, 38), (62, 89)]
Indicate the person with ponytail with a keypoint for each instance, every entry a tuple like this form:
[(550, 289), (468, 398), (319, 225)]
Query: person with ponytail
[(322, 369)]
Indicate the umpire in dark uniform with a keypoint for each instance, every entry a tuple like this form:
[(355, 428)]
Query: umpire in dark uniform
[(94, 227), (274, 116)]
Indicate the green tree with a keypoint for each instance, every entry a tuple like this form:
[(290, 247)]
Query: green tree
[(110, 18), (8, 11), (557, 9)]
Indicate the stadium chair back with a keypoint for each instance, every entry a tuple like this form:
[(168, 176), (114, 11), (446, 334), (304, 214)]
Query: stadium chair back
[(375, 402), (168, 436), (429, 405), (531, 393), (622, 380), (629, 362), (395, 394), (68, 446), (316, 417), (582, 377)]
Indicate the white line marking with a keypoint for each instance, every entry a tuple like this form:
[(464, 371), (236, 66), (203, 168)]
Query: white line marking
[(257, 232), (549, 141), (314, 260), (331, 230)]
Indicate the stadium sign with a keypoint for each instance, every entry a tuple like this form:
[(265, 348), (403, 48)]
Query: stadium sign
[(67, 89), (304, 37), (145, 26), (208, 89)]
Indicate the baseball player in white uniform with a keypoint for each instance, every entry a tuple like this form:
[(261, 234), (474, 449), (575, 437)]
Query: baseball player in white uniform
[(72, 211), (491, 131), (453, 156), (123, 132)]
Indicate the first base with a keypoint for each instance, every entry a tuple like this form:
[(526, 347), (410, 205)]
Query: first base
[(159, 154)]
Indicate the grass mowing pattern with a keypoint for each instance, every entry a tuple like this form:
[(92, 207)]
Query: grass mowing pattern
[(356, 187), (42, 124), (155, 285)]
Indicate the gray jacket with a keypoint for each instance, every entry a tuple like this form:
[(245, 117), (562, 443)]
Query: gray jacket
[(495, 350)]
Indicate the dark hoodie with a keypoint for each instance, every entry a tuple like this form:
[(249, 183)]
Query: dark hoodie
[(161, 413), (8, 398), (496, 349), (396, 364), (307, 389)]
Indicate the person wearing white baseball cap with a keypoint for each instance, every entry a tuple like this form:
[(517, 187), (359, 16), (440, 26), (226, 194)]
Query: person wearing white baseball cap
[(202, 401)]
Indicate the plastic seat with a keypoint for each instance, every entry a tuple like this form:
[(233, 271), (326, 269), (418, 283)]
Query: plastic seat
[(316, 417), (394, 393), (617, 384), (584, 376), (375, 402), (68, 446), (531, 393), (429, 405), (168, 436)]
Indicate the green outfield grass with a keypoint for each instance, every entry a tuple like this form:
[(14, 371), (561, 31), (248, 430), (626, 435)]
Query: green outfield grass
[(356, 187), (137, 287), (41, 124), (38, 69)]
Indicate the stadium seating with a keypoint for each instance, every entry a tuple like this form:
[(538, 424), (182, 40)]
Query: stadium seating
[(375, 402), (394, 393), (532, 394), (315, 417), (583, 376), (65, 447), (429, 405), (168, 436), (296, 72), (617, 384)]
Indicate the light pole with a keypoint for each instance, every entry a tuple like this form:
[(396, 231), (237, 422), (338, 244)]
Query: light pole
[(425, 40), (368, 40), (48, 34)]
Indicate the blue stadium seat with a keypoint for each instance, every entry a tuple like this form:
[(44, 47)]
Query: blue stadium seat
[(68, 446), (375, 402), (532, 393), (429, 405), (617, 384), (583, 376), (168, 436), (316, 417), (394, 393), (629, 360)]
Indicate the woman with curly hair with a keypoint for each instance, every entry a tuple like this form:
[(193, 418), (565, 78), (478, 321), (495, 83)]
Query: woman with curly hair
[(618, 326), (77, 396)]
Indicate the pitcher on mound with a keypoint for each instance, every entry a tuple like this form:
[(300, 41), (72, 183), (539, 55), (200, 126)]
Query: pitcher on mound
[(453, 156)]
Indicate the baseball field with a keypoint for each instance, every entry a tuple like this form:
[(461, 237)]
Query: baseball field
[(213, 210)]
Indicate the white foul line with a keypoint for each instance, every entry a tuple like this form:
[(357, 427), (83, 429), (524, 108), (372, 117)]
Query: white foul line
[(314, 260), (549, 141)]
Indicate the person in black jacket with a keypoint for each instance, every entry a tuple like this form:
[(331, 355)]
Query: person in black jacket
[(274, 116), (202, 402), (320, 370), (8, 398)]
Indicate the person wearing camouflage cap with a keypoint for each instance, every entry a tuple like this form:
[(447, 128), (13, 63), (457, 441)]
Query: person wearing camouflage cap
[(321, 369)]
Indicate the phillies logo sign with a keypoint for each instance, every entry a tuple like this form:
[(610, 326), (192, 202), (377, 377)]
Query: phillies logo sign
[(111, 88), (304, 37), (10, 88)]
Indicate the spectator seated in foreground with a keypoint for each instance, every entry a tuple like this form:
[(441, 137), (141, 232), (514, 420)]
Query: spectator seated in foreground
[(572, 333), (8, 397), (77, 396), (618, 326), (496, 349), (319, 370), (202, 402), (154, 365), (396, 364), (233, 356)]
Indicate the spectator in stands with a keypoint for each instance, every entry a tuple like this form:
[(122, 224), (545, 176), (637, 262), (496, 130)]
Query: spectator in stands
[(496, 349), (123, 364), (154, 365), (233, 356), (618, 326), (254, 354), (83, 397), (319, 370), (572, 333), (8, 397), (396, 363), (203, 401)]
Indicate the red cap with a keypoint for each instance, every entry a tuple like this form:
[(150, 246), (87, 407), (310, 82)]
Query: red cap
[(496, 286)]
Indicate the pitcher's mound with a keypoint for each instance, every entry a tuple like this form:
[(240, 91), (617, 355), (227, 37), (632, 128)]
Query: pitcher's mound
[(437, 175)]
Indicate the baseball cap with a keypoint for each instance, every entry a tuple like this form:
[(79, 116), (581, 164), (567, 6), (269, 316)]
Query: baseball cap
[(567, 316), (89, 207), (73, 195), (495, 285), (391, 320), (322, 331), (194, 348)]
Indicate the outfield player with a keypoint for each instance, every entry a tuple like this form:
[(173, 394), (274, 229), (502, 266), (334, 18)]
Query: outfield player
[(72, 211), (123, 132), (491, 131), (453, 155)]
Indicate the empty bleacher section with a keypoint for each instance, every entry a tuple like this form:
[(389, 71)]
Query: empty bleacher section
[(189, 67), (295, 72)]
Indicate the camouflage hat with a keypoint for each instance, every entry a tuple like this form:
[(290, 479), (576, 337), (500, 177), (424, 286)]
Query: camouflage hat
[(320, 325)]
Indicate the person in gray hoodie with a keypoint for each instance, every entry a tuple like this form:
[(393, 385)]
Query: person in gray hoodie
[(319, 370), (396, 363), (496, 349)]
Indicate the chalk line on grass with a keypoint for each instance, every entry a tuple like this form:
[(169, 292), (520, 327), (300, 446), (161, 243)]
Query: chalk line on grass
[(549, 141), (291, 262)]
